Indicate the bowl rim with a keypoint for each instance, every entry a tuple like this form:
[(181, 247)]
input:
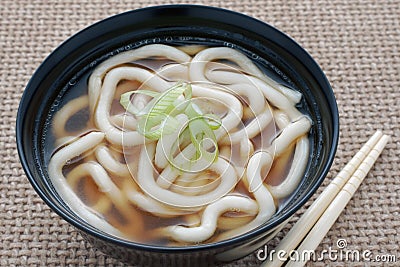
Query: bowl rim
[(156, 248)]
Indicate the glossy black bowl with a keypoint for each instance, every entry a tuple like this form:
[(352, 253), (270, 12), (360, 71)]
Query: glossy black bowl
[(281, 56)]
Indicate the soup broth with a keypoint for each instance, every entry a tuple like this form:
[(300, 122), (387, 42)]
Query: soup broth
[(177, 145)]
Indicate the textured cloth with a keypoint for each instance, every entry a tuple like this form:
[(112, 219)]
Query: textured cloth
[(355, 42)]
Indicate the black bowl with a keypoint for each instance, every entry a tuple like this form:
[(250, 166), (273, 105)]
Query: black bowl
[(281, 56)]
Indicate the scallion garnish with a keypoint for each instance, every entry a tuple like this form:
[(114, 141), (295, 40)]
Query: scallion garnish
[(157, 118)]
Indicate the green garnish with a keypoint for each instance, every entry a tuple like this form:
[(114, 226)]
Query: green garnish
[(158, 118)]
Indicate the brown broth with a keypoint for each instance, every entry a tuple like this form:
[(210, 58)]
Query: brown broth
[(87, 190)]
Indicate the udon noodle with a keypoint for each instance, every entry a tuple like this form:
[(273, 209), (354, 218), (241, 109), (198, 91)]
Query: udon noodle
[(181, 145)]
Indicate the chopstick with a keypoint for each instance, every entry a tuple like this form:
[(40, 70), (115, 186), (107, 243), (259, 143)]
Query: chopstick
[(328, 218), (328, 206)]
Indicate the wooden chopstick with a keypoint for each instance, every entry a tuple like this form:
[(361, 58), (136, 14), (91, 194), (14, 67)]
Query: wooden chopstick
[(335, 208), (306, 222)]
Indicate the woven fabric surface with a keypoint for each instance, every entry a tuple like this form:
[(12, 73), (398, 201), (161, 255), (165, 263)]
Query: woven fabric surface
[(357, 44)]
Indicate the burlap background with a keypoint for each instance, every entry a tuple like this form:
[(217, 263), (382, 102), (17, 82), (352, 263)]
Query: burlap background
[(355, 42)]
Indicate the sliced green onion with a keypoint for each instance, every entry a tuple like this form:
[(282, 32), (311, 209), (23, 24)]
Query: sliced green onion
[(184, 137), (164, 103), (157, 118), (199, 132), (153, 127), (213, 121), (125, 101)]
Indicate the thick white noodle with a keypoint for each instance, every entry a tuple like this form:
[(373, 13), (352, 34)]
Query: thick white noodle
[(246, 149), (281, 119), (103, 203), (64, 141), (65, 113), (110, 163), (166, 142), (151, 205), (195, 187), (124, 121), (256, 100), (102, 112), (229, 121), (266, 206), (253, 97), (186, 178), (296, 172), (199, 71), (153, 50), (105, 185), (228, 180), (192, 219), (198, 64), (174, 72), (248, 95), (235, 108), (263, 161), (299, 162), (209, 219), (250, 130), (225, 152), (273, 96), (291, 94), (289, 134), (59, 182)]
